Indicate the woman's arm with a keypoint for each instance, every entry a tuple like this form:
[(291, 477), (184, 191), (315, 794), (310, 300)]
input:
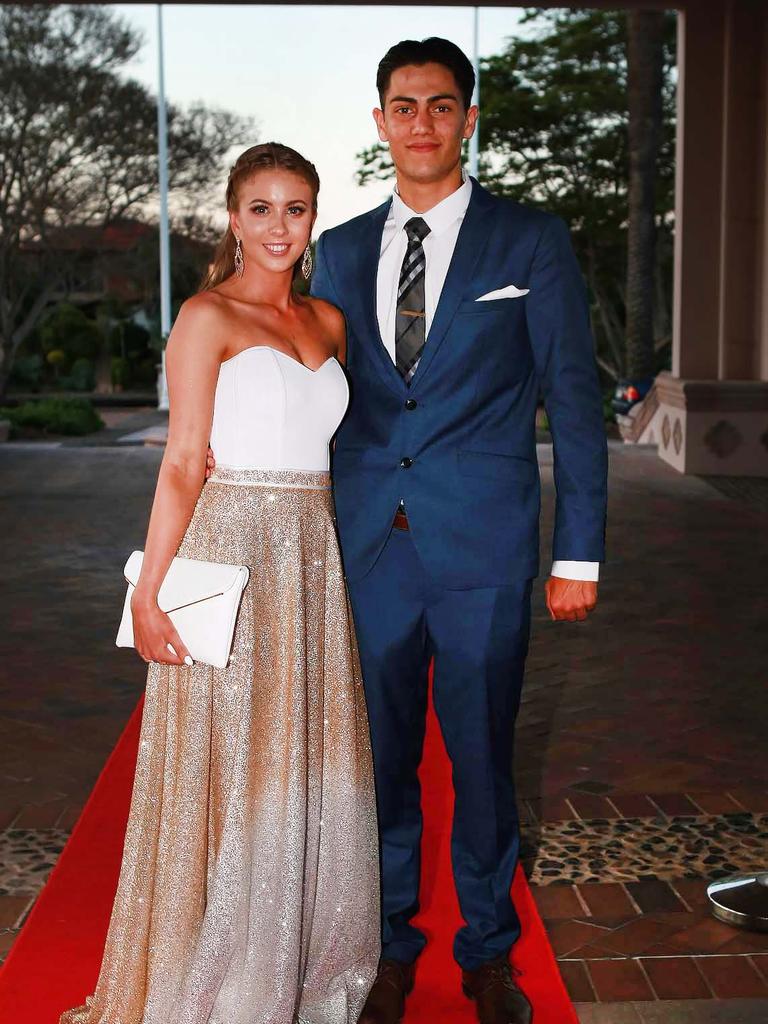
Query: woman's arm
[(193, 358)]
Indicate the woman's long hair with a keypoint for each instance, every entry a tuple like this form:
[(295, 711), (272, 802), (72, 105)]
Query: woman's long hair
[(266, 156)]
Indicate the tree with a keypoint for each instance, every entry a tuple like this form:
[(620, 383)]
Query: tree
[(78, 146), (554, 134), (645, 82)]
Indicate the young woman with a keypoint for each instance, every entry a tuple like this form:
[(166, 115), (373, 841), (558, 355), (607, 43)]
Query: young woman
[(249, 887)]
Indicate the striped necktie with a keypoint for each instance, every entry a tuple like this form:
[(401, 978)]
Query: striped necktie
[(410, 327)]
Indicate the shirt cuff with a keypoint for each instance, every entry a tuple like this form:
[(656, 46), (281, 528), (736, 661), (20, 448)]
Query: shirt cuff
[(587, 571)]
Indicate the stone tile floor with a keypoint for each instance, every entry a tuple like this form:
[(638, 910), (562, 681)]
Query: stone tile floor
[(642, 776), (638, 745)]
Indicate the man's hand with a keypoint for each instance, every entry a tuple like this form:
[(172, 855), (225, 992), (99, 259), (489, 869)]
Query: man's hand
[(210, 462), (570, 600)]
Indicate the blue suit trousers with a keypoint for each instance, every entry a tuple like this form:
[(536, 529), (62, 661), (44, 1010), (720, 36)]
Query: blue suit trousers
[(479, 639)]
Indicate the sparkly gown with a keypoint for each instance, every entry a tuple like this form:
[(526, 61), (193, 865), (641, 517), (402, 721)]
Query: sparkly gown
[(248, 892)]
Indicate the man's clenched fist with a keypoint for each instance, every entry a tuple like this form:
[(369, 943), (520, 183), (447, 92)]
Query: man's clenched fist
[(570, 600)]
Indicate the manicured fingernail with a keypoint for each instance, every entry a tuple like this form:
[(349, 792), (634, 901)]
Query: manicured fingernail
[(188, 661)]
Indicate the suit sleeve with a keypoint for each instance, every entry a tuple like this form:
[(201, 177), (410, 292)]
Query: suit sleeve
[(321, 285), (563, 351)]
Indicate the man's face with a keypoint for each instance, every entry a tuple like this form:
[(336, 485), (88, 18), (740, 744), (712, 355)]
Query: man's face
[(424, 122)]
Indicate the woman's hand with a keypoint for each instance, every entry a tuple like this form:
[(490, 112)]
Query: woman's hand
[(210, 462), (153, 631)]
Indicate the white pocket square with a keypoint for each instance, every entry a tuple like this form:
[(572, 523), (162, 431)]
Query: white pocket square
[(510, 292)]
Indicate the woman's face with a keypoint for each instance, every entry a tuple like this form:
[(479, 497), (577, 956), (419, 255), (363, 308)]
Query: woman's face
[(274, 219)]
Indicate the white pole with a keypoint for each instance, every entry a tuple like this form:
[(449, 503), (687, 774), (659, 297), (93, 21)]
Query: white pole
[(165, 248), (474, 142)]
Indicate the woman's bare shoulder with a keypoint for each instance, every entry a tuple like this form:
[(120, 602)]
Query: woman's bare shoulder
[(332, 325), (202, 323), (206, 307)]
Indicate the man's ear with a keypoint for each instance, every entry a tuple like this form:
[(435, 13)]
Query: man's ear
[(378, 117), (470, 122)]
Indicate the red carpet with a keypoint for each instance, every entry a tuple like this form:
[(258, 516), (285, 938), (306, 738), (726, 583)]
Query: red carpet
[(55, 960)]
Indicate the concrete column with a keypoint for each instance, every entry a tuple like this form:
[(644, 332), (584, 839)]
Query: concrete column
[(743, 199), (762, 359), (710, 415), (698, 194)]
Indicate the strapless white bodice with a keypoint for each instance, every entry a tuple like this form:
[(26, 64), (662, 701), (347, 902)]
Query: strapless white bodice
[(272, 412)]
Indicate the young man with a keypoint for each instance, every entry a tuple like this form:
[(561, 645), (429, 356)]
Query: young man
[(461, 310)]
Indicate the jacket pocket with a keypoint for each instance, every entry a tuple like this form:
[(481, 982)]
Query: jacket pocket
[(494, 465), (474, 307)]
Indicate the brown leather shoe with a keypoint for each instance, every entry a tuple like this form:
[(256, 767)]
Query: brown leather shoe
[(386, 1000), (497, 998)]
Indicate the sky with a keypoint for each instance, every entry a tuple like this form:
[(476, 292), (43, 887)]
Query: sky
[(306, 74)]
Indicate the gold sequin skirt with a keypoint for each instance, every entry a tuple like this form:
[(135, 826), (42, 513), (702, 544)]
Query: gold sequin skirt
[(248, 892)]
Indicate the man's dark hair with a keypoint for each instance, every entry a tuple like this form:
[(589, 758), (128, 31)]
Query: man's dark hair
[(429, 51)]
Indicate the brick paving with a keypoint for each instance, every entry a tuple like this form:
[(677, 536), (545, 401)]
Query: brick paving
[(651, 716), (647, 716), (68, 518)]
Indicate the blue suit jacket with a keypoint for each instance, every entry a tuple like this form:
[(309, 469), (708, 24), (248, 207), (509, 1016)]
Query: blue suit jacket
[(472, 489)]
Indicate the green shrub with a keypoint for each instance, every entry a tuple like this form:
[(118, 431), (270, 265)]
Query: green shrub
[(121, 372), (71, 416), (144, 373), (67, 327), (27, 372), (81, 376), (135, 336)]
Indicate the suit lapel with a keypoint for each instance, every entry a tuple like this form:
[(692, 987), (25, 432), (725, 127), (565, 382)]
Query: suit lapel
[(370, 250), (469, 246)]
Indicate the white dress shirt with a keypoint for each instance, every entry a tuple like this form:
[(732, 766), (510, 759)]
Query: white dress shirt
[(444, 221)]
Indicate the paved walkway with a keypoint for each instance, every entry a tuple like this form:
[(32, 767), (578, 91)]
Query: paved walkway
[(638, 754)]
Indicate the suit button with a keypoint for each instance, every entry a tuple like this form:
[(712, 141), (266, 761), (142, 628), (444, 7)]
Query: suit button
[(411, 404), (406, 463)]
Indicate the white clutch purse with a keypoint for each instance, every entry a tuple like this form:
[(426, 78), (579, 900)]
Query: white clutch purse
[(201, 600)]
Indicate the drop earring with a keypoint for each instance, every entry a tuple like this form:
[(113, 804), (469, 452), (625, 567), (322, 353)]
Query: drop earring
[(239, 261), (306, 263)]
